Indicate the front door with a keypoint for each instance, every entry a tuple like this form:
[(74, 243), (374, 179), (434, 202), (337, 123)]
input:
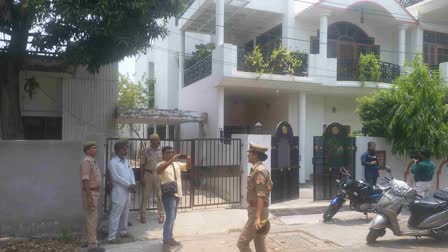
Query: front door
[(284, 164)]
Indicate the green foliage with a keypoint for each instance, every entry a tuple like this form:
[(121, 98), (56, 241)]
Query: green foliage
[(375, 112), (66, 236), (135, 95), (202, 51), (93, 33), (283, 60), (256, 61), (412, 114), (280, 61), (369, 67)]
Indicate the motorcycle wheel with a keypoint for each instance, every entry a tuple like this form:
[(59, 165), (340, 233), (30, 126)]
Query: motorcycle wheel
[(331, 211), (374, 234)]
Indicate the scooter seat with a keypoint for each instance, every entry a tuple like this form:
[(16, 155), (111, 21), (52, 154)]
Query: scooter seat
[(422, 209), (429, 203)]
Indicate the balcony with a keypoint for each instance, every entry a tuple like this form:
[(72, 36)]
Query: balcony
[(347, 70), (198, 71), (302, 70), (407, 3)]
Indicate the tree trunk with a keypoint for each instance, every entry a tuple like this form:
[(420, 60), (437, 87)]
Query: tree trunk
[(10, 117)]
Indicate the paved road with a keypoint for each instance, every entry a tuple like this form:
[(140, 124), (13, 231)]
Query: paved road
[(298, 232)]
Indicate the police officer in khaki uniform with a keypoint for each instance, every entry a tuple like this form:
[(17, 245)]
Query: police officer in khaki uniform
[(149, 178), (91, 184), (259, 186)]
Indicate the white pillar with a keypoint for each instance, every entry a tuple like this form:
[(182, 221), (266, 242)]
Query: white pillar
[(402, 45), (181, 59), (323, 34), (220, 109), (167, 131), (155, 128), (419, 48), (219, 22), (293, 112), (288, 25), (302, 136)]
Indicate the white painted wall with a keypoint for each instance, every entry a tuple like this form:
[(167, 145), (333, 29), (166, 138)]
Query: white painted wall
[(264, 140), (46, 100), (314, 122), (345, 112), (163, 56), (89, 103), (201, 96), (266, 5)]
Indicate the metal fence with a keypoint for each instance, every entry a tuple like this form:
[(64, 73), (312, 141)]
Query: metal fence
[(215, 178)]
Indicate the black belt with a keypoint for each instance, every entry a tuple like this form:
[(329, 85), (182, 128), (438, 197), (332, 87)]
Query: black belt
[(147, 170)]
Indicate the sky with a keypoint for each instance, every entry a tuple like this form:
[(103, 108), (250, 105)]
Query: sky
[(127, 66)]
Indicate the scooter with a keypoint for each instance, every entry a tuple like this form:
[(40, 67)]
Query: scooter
[(363, 197), (429, 217)]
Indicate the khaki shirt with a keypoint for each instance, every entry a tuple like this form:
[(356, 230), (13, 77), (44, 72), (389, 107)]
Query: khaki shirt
[(150, 158), (259, 183), (168, 175), (91, 172)]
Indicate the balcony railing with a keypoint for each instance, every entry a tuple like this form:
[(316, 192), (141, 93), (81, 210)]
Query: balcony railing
[(407, 3), (198, 71), (302, 70), (348, 70)]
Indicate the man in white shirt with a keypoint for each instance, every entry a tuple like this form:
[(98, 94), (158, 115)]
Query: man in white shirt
[(170, 170), (123, 183)]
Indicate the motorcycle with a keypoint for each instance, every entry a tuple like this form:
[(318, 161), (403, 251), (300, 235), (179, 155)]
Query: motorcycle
[(429, 216), (363, 197)]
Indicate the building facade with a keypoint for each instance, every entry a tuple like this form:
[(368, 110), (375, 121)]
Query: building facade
[(329, 36)]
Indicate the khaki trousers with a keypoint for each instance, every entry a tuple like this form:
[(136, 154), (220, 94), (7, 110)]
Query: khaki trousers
[(249, 233), (90, 222), (152, 184)]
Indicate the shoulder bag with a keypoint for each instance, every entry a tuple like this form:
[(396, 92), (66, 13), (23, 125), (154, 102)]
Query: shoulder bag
[(169, 188)]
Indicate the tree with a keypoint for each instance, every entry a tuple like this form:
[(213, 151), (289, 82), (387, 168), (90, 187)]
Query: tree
[(412, 114), (135, 95), (91, 33)]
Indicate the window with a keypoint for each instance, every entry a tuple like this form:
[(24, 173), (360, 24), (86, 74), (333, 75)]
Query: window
[(42, 128), (345, 41), (161, 131), (435, 47)]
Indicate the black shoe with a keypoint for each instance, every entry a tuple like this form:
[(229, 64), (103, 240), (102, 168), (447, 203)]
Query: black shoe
[(172, 243), (129, 223)]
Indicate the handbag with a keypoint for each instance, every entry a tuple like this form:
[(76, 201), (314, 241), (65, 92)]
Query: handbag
[(169, 188)]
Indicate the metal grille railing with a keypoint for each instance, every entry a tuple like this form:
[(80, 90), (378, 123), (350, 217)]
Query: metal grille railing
[(198, 71), (348, 70), (302, 70), (215, 178)]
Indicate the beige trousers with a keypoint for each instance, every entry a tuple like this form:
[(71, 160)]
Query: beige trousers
[(152, 184), (249, 233), (90, 222)]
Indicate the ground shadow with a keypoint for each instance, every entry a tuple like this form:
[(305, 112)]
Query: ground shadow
[(411, 243)]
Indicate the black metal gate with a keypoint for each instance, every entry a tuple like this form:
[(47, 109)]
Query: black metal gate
[(285, 164), (334, 149), (215, 178)]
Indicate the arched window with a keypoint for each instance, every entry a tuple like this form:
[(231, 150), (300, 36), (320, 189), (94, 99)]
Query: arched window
[(345, 31), (346, 41)]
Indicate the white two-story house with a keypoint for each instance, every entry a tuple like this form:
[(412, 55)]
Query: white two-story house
[(330, 37)]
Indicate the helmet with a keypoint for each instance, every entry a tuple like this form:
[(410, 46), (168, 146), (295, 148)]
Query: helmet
[(265, 227)]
